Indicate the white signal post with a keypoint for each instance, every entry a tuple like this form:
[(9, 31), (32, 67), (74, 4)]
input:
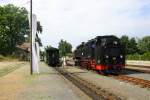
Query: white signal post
[(34, 45)]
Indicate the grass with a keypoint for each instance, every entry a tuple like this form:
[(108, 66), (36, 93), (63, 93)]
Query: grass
[(9, 69), (2, 58), (8, 58)]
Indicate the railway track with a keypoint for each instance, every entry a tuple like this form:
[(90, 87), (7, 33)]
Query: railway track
[(132, 69), (138, 68), (142, 66), (136, 81), (95, 92)]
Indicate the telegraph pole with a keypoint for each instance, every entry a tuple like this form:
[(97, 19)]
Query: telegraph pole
[(31, 67)]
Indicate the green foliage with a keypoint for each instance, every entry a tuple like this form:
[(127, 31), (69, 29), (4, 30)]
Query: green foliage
[(134, 57), (2, 58), (13, 27), (130, 44), (137, 50), (144, 44), (125, 41), (7, 58), (145, 56), (64, 48)]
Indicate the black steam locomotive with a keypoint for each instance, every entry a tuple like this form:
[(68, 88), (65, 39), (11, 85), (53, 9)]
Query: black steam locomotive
[(52, 56), (104, 53)]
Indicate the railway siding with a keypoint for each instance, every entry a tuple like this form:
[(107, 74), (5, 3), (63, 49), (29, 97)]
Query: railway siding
[(96, 93), (134, 80), (140, 63), (137, 74), (123, 89), (141, 66)]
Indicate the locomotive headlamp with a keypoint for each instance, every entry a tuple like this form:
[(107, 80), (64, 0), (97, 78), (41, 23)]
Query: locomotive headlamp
[(115, 42), (106, 56), (99, 61), (121, 56), (82, 53), (114, 58)]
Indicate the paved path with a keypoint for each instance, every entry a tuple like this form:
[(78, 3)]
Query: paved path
[(48, 85)]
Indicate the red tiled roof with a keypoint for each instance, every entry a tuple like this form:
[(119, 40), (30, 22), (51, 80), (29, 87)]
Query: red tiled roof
[(24, 46)]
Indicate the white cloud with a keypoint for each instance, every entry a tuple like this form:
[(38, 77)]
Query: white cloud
[(80, 20)]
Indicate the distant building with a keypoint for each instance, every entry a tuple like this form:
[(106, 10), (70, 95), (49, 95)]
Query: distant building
[(23, 51)]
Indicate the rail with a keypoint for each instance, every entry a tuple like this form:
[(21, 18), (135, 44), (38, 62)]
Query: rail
[(95, 92), (143, 66), (137, 81)]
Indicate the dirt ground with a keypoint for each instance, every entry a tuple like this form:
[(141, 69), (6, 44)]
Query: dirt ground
[(48, 85), (10, 84), (5, 64)]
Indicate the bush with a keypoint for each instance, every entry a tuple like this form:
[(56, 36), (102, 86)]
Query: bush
[(145, 56), (2, 58), (7, 58)]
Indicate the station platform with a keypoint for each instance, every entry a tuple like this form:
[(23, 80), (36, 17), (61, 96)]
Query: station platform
[(47, 85)]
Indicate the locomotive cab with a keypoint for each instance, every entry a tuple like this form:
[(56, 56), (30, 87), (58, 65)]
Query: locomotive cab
[(110, 55)]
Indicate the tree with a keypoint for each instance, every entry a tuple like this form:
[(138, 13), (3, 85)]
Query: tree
[(64, 48), (13, 26), (125, 41), (144, 44), (132, 46)]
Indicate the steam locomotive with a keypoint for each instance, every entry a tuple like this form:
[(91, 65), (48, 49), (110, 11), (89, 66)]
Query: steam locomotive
[(104, 54), (52, 56)]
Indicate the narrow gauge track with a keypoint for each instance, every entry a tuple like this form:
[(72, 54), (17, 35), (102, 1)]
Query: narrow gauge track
[(131, 69), (95, 92), (142, 66), (135, 68), (137, 81), (138, 70)]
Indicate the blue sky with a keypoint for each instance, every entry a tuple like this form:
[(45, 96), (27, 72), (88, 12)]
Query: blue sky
[(80, 20), (145, 10)]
